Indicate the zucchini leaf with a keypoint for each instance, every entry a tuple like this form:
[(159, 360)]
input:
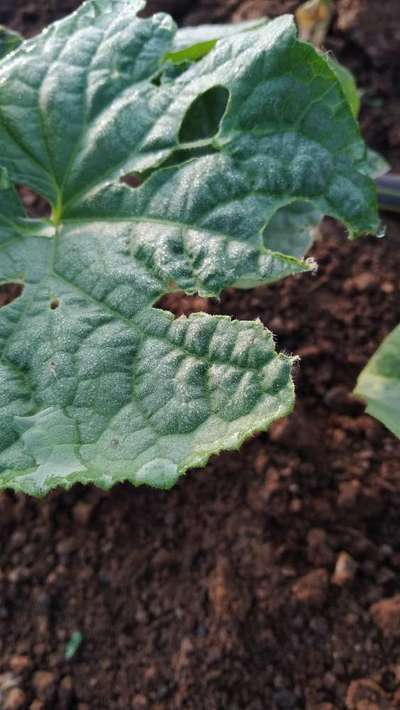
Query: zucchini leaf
[(96, 383)]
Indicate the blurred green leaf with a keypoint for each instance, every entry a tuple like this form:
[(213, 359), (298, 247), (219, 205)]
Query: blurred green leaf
[(379, 383), (9, 40), (73, 645), (348, 84), (193, 43)]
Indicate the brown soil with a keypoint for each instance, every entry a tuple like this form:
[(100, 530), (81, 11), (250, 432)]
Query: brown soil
[(270, 580)]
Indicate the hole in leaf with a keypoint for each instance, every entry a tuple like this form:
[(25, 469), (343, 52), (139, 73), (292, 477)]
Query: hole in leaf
[(182, 156), (156, 80), (9, 292), (54, 303), (290, 230), (177, 158), (203, 118), (132, 180), (180, 304), (35, 205)]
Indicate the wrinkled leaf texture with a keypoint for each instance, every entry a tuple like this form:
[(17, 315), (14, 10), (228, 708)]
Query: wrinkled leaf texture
[(96, 383)]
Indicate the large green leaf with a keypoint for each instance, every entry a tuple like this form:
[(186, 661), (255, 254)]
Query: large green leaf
[(97, 384), (9, 41), (379, 383)]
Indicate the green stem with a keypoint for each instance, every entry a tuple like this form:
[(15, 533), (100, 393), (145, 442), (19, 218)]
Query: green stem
[(56, 212), (389, 192)]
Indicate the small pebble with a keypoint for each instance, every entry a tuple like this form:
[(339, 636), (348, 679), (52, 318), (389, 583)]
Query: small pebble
[(82, 513), (15, 699), (18, 664), (345, 569), (365, 694), (312, 588), (42, 682), (386, 615)]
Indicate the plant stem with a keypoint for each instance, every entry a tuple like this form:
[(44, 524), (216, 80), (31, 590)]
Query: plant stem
[(389, 192)]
